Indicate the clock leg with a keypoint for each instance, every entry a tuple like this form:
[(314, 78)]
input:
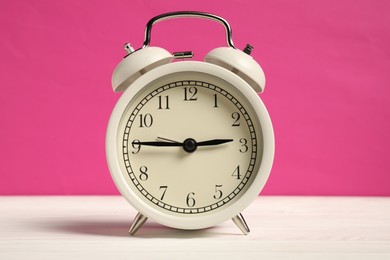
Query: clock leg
[(138, 221), (241, 224)]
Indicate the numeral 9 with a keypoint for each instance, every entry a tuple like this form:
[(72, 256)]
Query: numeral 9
[(136, 146)]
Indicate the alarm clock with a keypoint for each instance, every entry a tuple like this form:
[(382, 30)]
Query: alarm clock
[(189, 144)]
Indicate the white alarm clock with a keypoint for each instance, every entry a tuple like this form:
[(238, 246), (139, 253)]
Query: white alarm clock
[(189, 144)]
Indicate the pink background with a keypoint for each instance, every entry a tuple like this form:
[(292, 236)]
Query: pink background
[(327, 64)]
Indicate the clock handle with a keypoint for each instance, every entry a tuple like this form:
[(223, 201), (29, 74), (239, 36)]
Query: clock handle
[(187, 14)]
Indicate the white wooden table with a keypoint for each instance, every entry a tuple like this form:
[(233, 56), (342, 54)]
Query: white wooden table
[(95, 227)]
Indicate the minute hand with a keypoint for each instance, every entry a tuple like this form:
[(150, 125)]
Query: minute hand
[(157, 143)]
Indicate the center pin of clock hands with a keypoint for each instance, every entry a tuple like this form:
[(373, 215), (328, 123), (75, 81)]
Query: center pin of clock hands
[(189, 145)]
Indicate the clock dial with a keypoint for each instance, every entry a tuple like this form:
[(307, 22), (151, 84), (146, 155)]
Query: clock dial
[(189, 143)]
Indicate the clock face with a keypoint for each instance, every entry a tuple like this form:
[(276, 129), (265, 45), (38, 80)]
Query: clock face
[(189, 143)]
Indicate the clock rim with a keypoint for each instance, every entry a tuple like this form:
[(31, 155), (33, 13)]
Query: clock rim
[(194, 221)]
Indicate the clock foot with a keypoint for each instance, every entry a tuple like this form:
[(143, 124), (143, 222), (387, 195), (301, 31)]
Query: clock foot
[(241, 224), (138, 221)]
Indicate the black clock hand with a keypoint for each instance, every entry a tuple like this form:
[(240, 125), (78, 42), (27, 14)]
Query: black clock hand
[(214, 142), (167, 140), (189, 145), (158, 143)]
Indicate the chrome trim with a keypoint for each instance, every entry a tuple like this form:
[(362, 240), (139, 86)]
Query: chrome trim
[(187, 14)]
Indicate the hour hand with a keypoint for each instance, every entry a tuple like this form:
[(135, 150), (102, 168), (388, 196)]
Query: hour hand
[(214, 142)]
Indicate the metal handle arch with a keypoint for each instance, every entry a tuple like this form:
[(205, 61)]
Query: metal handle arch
[(187, 14)]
